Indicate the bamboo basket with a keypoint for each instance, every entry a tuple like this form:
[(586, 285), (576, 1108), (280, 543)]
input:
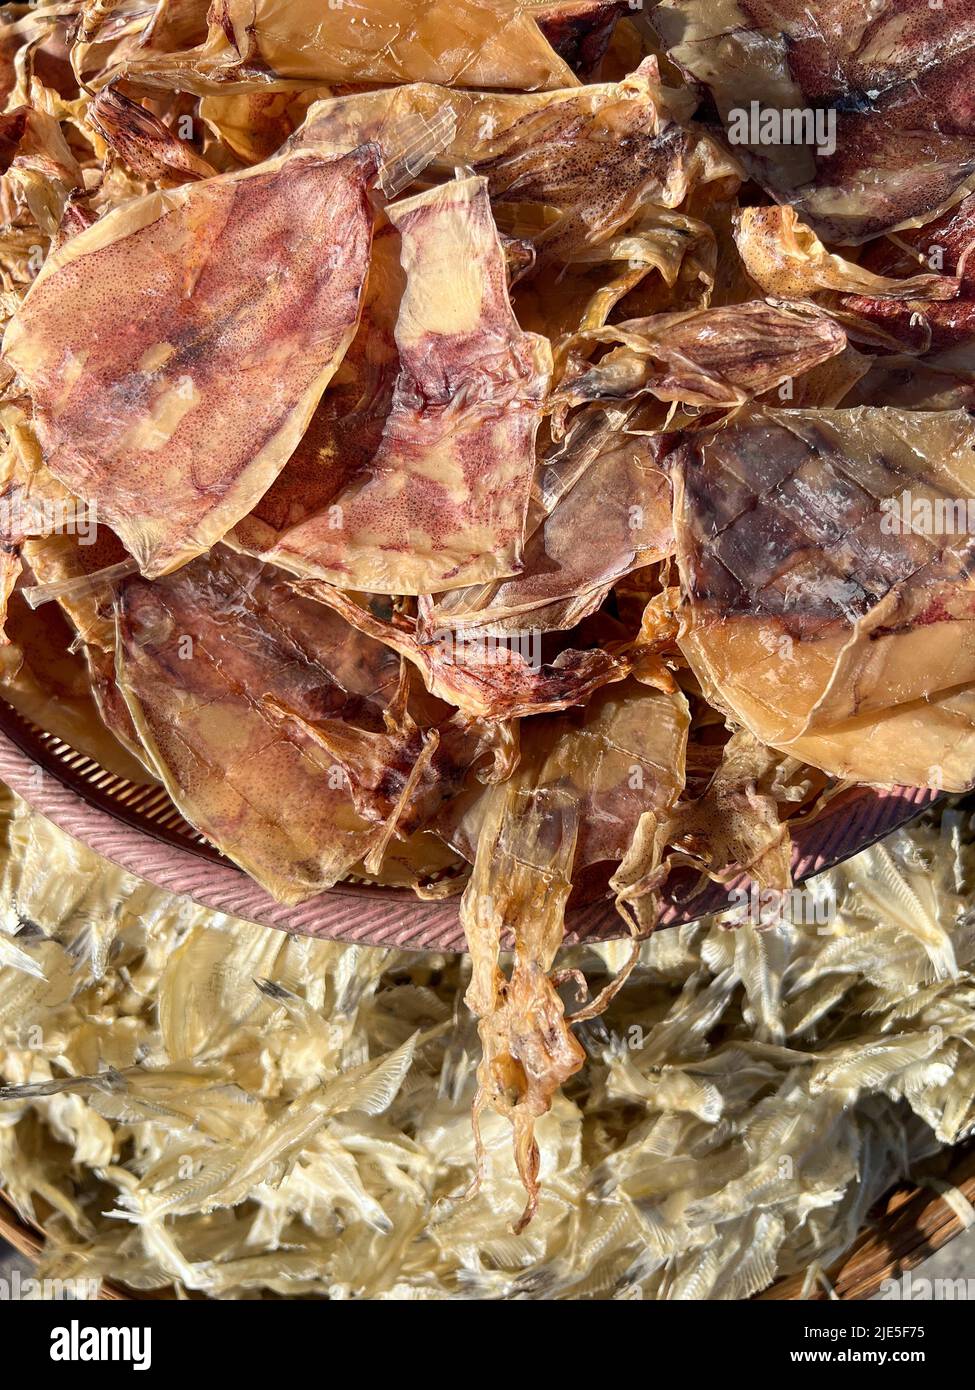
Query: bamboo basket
[(910, 1223), (138, 828)]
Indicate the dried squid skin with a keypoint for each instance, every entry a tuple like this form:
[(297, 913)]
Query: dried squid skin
[(165, 389), (811, 614), (200, 652), (467, 43), (898, 77), (441, 501)]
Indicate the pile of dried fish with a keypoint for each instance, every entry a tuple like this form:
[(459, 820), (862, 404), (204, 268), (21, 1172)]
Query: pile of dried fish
[(492, 447), (196, 1101)]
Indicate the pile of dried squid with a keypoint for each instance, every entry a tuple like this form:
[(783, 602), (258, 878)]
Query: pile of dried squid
[(434, 453)]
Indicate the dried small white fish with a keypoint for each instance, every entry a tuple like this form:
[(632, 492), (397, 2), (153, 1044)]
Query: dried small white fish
[(289, 1116)]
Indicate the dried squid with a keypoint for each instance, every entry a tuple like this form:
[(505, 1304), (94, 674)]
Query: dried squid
[(441, 501), (467, 43), (575, 800), (441, 449), (176, 349), (820, 610), (890, 86), (199, 654)]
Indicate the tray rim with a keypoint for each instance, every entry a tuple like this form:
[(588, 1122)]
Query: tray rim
[(366, 914)]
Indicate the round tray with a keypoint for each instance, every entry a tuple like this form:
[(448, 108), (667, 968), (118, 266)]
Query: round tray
[(139, 828)]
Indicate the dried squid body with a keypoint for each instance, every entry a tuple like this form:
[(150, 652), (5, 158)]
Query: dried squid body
[(176, 350), (263, 44), (200, 653), (441, 500), (567, 168), (601, 484), (880, 95), (828, 599)]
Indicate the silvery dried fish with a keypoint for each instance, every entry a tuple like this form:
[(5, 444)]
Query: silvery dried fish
[(239, 1113)]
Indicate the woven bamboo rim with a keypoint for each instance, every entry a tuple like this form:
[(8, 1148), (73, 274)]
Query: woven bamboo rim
[(910, 1223), (139, 829)]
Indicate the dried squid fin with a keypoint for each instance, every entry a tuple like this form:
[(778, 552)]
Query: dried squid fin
[(442, 500), (346, 429), (144, 342), (825, 581), (945, 245), (924, 743)]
